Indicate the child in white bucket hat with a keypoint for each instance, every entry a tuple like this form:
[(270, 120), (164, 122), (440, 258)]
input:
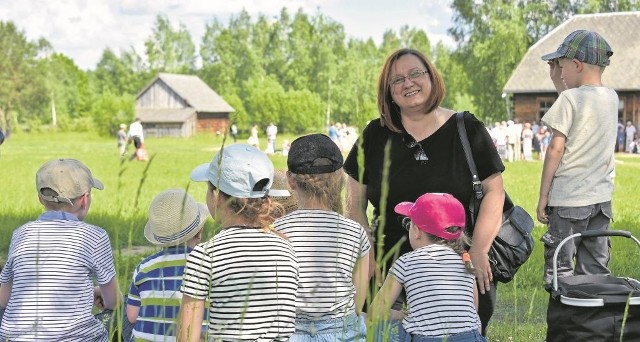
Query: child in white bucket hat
[(47, 283), (175, 224), (248, 271)]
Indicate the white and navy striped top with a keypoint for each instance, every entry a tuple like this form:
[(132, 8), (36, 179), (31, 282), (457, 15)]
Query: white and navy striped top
[(327, 245), (439, 292), (52, 263), (251, 279)]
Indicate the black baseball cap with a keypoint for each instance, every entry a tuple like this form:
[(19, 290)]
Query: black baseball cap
[(314, 154)]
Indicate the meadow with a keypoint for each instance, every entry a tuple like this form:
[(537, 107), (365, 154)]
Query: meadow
[(121, 208)]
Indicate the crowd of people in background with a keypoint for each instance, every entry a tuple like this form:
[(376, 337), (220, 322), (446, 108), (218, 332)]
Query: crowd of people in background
[(517, 141)]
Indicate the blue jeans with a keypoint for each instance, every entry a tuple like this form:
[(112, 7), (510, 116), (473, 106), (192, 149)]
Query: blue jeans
[(390, 331), (466, 336), (348, 328)]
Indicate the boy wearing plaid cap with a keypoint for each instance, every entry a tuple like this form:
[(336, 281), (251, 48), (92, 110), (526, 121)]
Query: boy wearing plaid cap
[(576, 186), (46, 285)]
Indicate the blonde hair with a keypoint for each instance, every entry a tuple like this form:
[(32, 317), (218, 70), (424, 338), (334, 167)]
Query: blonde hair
[(259, 212), (458, 245), (326, 188), (389, 111)]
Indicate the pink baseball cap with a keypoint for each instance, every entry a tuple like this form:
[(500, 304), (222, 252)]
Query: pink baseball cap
[(434, 213)]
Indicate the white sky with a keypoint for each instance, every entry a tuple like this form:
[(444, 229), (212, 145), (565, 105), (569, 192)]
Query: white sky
[(82, 29)]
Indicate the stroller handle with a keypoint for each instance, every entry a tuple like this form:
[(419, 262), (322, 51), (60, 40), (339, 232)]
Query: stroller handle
[(597, 233), (587, 234)]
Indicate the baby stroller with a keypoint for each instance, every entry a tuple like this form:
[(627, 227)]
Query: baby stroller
[(593, 307)]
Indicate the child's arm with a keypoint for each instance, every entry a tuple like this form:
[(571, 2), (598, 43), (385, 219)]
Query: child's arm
[(555, 72), (555, 151), (110, 294), (356, 209), (190, 319), (361, 281), (5, 293), (132, 313), (383, 301)]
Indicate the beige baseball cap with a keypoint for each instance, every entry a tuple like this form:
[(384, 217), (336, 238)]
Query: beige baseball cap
[(62, 180)]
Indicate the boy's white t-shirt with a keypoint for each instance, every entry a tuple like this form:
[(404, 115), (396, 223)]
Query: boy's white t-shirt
[(328, 245), (588, 117), (52, 264), (439, 292)]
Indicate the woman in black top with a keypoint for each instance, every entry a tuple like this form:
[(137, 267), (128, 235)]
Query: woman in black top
[(424, 155)]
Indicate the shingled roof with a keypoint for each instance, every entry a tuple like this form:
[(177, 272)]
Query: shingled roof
[(619, 29), (194, 91)]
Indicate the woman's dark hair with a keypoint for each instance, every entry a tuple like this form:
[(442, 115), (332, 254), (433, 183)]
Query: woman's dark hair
[(389, 111)]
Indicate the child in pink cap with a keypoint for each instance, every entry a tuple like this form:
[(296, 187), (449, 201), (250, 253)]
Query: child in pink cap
[(437, 276)]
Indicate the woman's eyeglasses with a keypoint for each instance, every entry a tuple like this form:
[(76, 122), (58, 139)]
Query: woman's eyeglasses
[(419, 155), (406, 223), (413, 75)]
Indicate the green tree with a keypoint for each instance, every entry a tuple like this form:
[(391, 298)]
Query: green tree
[(455, 78), (168, 49), (479, 29), (304, 112), (263, 100), (22, 88), (353, 93), (69, 91), (124, 74), (109, 111)]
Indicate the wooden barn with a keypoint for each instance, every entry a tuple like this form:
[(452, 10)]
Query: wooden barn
[(180, 105), (531, 89)]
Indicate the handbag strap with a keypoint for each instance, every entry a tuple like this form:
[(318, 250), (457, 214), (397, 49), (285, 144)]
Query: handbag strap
[(474, 205)]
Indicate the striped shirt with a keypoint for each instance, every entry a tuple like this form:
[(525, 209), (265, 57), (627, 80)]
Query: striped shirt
[(250, 278), (439, 292), (327, 245), (156, 291), (52, 263)]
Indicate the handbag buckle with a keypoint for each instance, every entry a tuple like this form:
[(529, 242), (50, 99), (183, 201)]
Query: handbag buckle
[(477, 188)]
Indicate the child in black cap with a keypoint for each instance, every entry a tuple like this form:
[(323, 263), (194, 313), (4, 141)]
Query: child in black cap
[(332, 250)]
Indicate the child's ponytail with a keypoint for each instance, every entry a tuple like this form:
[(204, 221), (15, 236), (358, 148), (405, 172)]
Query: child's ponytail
[(458, 245)]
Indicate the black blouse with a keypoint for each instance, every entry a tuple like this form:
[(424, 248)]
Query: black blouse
[(445, 170)]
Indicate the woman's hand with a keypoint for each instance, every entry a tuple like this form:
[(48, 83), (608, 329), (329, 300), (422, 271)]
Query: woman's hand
[(486, 228), (480, 261)]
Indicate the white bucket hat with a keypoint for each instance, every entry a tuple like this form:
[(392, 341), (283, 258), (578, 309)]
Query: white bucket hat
[(240, 171), (174, 218)]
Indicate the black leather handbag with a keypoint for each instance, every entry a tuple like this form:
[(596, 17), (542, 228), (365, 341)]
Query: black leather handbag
[(514, 244)]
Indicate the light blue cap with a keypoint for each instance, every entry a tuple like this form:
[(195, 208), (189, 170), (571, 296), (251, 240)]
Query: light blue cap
[(240, 171)]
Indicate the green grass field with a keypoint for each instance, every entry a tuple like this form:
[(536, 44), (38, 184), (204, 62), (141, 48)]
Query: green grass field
[(121, 208)]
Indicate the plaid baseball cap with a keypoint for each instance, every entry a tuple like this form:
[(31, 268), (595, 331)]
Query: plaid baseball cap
[(62, 180), (586, 46), (314, 154), (434, 213), (238, 170)]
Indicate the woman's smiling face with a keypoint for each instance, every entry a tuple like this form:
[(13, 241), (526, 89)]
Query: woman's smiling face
[(409, 82)]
